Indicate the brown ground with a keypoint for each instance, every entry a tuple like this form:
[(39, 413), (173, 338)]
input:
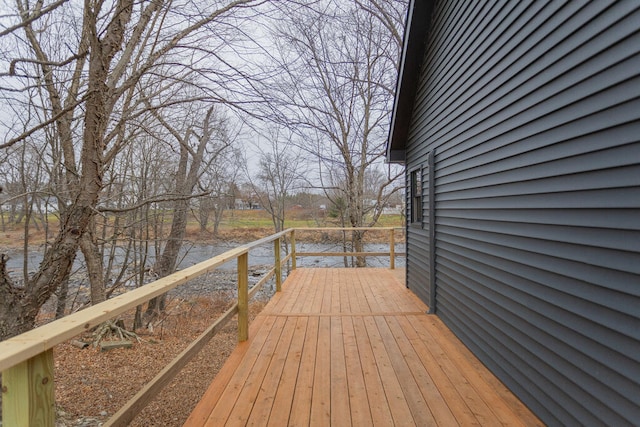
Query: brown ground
[(92, 385)]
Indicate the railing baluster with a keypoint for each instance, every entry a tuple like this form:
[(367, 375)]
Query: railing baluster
[(392, 249), (278, 265), (27, 392), (243, 297), (293, 249)]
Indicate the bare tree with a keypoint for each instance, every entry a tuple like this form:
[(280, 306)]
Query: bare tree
[(219, 180), (279, 173), (194, 142), (338, 65), (90, 60)]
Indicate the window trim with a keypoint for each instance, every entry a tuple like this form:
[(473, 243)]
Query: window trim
[(416, 201)]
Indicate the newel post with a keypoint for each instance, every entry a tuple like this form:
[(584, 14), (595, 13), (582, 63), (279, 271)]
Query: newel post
[(392, 249), (27, 393), (243, 297), (293, 249), (278, 264)]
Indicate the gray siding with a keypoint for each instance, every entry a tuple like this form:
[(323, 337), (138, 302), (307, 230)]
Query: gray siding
[(419, 247), (533, 113)]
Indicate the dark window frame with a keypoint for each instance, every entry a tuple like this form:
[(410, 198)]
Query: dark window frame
[(416, 183)]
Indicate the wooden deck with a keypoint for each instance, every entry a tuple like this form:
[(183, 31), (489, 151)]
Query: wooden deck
[(345, 347)]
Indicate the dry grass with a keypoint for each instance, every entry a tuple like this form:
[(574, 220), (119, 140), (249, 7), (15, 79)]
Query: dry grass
[(236, 226)]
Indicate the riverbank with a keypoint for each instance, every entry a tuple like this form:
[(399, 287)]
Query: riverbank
[(237, 226)]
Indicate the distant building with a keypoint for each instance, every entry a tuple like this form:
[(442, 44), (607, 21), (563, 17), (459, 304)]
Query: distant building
[(392, 210), (242, 204)]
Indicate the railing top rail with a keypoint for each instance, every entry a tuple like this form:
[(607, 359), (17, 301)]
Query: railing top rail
[(345, 228), (31, 343), (26, 345)]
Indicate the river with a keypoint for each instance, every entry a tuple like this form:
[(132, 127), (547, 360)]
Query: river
[(194, 253)]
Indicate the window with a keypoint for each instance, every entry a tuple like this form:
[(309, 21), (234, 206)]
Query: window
[(416, 197)]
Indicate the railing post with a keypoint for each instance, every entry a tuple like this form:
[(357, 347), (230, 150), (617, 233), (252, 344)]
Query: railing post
[(27, 392), (293, 249), (278, 264), (243, 297), (392, 249)]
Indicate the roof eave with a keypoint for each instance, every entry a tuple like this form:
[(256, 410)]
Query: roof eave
[(418, 21)]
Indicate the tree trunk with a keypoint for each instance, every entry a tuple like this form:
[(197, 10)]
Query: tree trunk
[(358, 246), (13, 317), (63, 295), (204, 219), (94, 267), (19, 307), (167, 262), (217, 218), (186, 180)]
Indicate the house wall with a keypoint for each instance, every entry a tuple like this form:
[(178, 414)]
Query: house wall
[(531, 111)]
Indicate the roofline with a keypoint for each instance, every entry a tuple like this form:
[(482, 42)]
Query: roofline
[(417, 27)]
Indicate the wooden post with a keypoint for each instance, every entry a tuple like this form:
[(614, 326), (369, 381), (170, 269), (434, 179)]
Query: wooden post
[(243, 297), (278, 264), (392, 249), (27, 393), (293, 249)]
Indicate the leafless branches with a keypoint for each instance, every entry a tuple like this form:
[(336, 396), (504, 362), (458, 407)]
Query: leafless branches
[(337, 66), (88, 83)]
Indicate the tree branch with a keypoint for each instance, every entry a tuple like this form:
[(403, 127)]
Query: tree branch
[(12, 66), (158, 199), (33, 17), (42, 125)]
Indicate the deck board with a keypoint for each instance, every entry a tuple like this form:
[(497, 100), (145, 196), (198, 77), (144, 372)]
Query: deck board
[(360, 408), (380, 411), (303, 392), (292, 364), (396, 400), (441, 413), (354, 347), (268, 387)]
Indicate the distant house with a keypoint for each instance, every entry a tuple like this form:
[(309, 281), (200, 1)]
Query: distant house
[(246, 204), (241, 204), (519, 125)]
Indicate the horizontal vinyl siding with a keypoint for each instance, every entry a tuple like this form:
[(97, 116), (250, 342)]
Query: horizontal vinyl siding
[(533, 112), (418, 241), (418, 269)]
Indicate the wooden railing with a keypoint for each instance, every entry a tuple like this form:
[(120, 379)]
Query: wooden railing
[(26, 361), (391, 253)]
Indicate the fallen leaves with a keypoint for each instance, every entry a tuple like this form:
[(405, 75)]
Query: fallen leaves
[(92, 385)]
